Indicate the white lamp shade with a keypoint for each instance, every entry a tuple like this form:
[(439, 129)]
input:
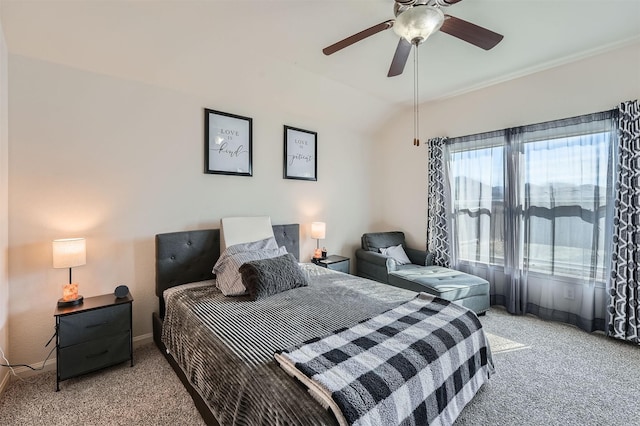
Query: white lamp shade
[(69, 252), (318, 230)]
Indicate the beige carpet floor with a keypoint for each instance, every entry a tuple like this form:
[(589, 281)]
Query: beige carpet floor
[(149, 393)]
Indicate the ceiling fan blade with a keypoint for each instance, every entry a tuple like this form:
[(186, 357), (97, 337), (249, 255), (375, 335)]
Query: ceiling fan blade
[(400, 58), (471, 33), (357, 37)]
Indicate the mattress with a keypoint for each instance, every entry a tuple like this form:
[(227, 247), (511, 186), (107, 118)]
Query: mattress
[(225, 345)]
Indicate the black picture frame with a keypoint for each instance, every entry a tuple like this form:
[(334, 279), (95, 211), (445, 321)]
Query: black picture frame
[(228, 143), (300, 154)]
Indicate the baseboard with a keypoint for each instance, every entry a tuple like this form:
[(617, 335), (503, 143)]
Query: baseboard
[(51, 363), (142, 340), (28, 372)]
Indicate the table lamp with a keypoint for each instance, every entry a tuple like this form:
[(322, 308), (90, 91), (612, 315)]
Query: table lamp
[(318, 231), (68, 253)]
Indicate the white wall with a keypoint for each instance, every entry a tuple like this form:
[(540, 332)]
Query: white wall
[(590, 85), (4, 208), (118, 161)]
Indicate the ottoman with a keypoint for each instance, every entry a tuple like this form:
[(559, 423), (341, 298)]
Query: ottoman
[(459, 287)]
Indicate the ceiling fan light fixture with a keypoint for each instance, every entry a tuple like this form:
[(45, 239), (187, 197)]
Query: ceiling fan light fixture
[(416, 24)]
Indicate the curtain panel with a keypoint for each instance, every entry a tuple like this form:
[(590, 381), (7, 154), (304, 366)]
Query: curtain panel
[(437, 217), (530, 210), (624, 304)]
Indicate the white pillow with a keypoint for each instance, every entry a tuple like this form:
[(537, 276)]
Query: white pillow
[(237, 230), (396, 253), (228, 278)]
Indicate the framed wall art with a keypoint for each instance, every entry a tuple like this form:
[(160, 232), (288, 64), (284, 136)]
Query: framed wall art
[(300, 154), (228, 143)]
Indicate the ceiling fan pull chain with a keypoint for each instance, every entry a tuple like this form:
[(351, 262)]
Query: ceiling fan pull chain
[(416, 107), (415, 54)]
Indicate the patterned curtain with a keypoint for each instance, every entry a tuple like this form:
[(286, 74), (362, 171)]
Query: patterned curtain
[(624, 303), (437, 217)]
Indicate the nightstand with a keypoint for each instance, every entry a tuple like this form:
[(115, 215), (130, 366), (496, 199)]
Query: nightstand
[(334, 262), (94, 335)]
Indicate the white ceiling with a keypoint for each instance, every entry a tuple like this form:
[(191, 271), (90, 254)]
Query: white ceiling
[(162, 41)]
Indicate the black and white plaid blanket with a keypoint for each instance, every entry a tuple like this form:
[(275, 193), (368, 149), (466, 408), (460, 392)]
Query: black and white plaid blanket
[(419, 363)]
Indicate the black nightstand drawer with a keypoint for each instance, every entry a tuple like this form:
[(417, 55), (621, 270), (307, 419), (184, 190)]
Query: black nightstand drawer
[(94, 324), (92, 335), (335, 263), (340, 266), (93, 355)]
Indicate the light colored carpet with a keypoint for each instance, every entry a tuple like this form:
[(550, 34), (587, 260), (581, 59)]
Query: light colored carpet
[(149, 393), (546, 374)]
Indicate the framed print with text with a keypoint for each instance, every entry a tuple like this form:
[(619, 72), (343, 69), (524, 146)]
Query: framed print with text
[(300, 154), (228, 143)]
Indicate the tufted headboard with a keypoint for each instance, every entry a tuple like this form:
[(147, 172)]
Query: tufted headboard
[(189, 256)]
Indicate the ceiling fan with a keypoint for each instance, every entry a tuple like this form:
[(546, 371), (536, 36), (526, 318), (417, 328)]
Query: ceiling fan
[(415, 21)]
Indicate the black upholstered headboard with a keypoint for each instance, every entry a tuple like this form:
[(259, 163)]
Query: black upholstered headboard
[(189, 256)]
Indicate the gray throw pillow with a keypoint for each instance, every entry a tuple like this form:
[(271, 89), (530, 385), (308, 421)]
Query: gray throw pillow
[(266, 277), (228, 278), (397, 253)]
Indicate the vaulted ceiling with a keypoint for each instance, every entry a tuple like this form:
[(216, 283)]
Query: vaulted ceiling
[(161, 40)]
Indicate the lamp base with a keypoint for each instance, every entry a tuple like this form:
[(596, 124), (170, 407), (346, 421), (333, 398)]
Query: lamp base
[(66, 303)]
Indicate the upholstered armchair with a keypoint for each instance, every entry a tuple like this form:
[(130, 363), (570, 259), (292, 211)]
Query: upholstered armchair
[(372, 264), (414, 270)]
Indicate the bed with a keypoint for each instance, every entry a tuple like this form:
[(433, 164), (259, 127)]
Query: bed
[(224, 349)]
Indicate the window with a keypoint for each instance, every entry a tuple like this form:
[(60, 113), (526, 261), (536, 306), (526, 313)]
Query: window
[(534, 198), (565, 199), (478, 202)]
